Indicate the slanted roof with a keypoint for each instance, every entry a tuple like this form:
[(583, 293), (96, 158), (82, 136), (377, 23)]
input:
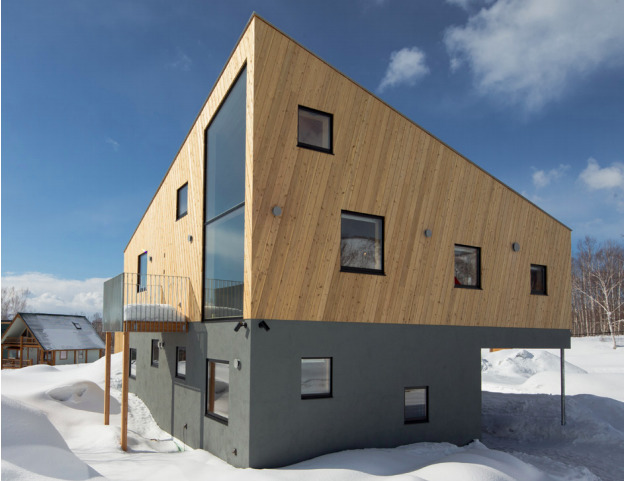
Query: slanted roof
[(56, 332)]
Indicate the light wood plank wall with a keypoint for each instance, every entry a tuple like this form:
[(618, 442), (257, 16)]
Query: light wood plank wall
[(159, 233), (383, 164)]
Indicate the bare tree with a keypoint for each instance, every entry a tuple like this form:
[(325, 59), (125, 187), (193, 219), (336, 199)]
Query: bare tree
[(598, 284), (13, 301)]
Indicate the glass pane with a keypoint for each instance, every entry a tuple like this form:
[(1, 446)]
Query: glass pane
[(466, 266), (182, 201), (154, 353), (224, 264), (181, 365), (361, 242), (142, 277), (219, 388), (538, 279), (225, 172), (133, 363), (415, 404), (314, 129), (316, 377)]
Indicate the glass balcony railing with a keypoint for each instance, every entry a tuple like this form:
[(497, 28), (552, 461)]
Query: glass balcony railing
[(222, 299)]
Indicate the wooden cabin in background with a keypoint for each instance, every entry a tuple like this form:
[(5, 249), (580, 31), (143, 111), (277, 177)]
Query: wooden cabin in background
[(316, 272), (52, 339)]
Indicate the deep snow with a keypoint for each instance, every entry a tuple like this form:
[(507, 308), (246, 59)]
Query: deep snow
[(52, 429)]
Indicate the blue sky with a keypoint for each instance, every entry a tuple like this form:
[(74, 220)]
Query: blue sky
[(98, 96)]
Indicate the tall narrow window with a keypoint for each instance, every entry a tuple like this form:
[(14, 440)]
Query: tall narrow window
[(361, 243), (218, 389), (133, 354), (155, 352), (467, 266), (315, 129), (182, 201), (181, 362), (142, 273), (416, 408), (538, 279), (316, 377), (224, 221)]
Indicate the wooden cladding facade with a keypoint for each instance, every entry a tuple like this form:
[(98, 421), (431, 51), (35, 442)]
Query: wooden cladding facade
[(382, 164)]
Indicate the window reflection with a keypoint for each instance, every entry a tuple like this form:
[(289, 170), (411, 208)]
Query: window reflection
[(315, 377), (218, 387), (361, 243), (467, 266)]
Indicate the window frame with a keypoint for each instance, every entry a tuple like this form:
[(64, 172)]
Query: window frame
[(132, 351), (154, 360), (179, 215), (210, 394), (543, 270), (478, 284), (364, 270), (177, 372), (320, 395), (142, 286), (305, 145), (63, 355), (419, 420)]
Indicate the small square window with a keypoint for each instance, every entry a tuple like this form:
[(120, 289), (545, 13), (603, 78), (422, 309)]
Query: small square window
[(181, 362), (538, 279), (416, 408), (218, 389), (316, 377), (77, 325), (142, 273), (63, 355), (133, 356), (182, 201), (467, 266), (361, 243), (155, 352), (315, 130)]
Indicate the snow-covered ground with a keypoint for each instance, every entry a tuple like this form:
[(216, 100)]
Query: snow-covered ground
[(52, 429)]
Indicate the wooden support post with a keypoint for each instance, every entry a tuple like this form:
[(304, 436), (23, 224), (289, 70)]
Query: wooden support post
[(107, 383), (21, 350), (124, 390)]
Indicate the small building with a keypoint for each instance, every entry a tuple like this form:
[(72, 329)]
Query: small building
[(52, 339), (316, 272)]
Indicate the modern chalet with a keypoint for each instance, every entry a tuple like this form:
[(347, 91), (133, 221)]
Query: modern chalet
[(316, 272)]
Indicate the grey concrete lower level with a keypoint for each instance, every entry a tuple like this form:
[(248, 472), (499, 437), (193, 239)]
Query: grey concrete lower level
[(269, 424)]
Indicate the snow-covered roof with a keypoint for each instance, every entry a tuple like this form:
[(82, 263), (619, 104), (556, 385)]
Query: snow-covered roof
[(60, 332)]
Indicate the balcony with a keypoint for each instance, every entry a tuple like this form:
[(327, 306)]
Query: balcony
[(148, 303)]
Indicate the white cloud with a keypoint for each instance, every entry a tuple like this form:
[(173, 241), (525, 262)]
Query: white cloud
[(529, 52), (466, 4), (113, 143), (181, 62), (595, 177), (407, 66), (541, 178), (52, 295)]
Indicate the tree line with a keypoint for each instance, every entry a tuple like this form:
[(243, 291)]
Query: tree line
[(598, 288)]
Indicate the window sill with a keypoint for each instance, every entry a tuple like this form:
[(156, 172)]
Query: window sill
[(316, 148), (316, 396), (416, 421), (539, 294), (474, 288), (182, 216), (359, 270), (216, 417)]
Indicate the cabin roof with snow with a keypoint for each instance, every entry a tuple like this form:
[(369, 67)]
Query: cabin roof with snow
[(56, 332)]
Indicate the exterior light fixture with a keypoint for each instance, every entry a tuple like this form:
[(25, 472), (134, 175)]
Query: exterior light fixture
[(264, 325), (190, 238), (277, 210), (239, 325), (515, 246), (428, 233)]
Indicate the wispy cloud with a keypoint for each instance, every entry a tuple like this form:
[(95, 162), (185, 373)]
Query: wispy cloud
[(113, 143), (541, 178), (596, 177), (466, 4), (530, 52), (407, 66), (50, 294), (181, 62)]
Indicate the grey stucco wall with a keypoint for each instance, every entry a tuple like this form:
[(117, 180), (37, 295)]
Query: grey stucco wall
[(270, 425)]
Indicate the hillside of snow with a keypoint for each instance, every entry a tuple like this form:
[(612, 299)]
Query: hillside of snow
[(52, 429)]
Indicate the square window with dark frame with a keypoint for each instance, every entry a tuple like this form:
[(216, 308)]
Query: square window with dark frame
[(133, 356), (218, 389), (142, 272), (182, 202), (315, 130), (467, 266), (316, 377), (155, 352), (538, 279), (416, 407), (181, 362), (361, 243)]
